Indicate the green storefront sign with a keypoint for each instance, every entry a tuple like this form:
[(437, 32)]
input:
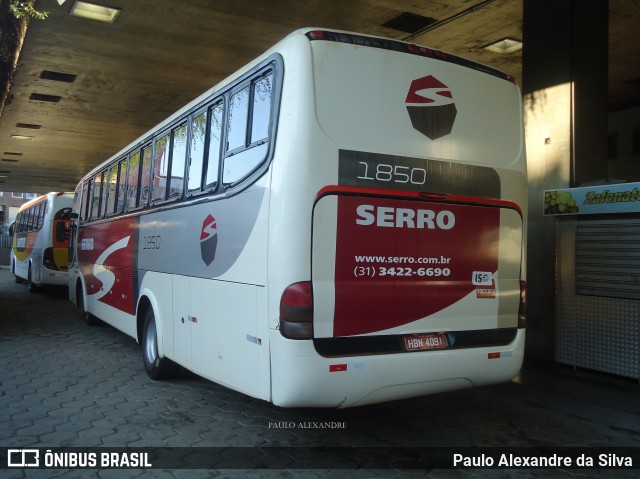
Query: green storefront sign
[(590, 200)]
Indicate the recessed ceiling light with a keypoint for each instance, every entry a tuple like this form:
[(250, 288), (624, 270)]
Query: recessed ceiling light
[(506, 45), (95, 12), (21, 137), (45, 98), (409, 22), (58, 76)]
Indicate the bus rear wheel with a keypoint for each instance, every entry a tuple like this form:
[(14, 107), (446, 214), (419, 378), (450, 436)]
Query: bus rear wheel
[(13, 270), (156, 367), (31, 286), (88, 318)]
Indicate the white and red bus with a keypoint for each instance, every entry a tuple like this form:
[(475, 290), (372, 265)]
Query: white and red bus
[(39, 254), (341, 222)]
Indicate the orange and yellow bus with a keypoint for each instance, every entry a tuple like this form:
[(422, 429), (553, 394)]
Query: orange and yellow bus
[(39, 254)]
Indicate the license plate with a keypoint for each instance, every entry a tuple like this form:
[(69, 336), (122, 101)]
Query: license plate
[(423, 342)]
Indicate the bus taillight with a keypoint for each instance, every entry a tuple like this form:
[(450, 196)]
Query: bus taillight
[(47, 259), (316, 35), (296, 311), (522, 310)]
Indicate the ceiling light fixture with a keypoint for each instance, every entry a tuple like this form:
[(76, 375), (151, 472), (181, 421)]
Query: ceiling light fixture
[(21, 137), (506, 45), (95, 12), (45, 98), (58, 76), (409, 22)]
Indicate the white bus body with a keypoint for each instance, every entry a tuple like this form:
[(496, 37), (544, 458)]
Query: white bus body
[(39, 254), (337, 224)]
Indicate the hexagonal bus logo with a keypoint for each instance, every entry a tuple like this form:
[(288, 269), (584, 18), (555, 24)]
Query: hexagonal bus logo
[(430, 106)]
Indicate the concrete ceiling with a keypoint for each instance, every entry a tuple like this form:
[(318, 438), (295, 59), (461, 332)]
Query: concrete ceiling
[(160, 54)]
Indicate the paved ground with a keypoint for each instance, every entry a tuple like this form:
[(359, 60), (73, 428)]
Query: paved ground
[(64, 384)]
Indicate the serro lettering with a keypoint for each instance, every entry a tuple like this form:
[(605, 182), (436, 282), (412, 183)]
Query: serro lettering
[(389, 217)]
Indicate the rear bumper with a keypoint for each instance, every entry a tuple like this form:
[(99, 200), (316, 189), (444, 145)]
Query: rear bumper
[(302, 378), (44, 275)]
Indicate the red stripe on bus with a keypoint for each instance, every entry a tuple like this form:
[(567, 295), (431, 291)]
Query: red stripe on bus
[(425, 196)]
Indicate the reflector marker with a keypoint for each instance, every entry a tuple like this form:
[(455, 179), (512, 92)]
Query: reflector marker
[(334, 368), (498, 355), (337, 368)]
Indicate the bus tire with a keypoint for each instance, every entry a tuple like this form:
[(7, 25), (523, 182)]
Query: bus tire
[(156, 367), (31, 286), (13, 272), (88, 318)]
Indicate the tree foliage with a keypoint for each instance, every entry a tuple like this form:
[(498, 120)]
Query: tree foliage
[(25, 9)]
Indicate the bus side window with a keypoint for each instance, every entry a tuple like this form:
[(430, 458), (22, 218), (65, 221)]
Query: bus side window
[(160, 168), (110, 190), (95, 197), (237, 124), (248, 129), (41, 215), (145, 180), (216, 116), (36, 217), (132, 181), (178, 156), (196, 151), (261, 112), (122, 186), (84, 208), (105, 192), (30, 216)]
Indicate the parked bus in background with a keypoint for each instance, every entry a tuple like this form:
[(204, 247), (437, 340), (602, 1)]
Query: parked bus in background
[(39, 254), (338, 223)]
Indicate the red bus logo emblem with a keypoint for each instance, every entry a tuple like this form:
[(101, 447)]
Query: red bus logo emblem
[(208, 240), (430, 106)]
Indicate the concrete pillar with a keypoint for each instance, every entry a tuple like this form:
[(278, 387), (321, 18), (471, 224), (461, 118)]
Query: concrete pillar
[(565, 100)]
